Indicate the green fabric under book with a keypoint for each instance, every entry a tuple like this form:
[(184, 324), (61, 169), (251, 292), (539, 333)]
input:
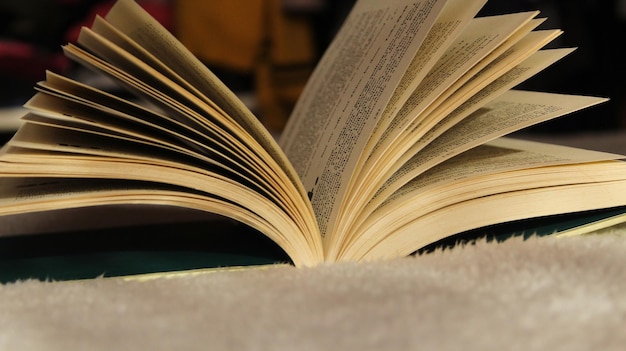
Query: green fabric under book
[(134, 250), (173, 247)]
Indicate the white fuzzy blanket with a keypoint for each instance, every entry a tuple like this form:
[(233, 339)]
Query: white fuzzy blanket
[(540, 294)]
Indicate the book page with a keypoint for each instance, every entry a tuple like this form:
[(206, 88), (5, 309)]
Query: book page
[(118, 154), (512, 111), (70, 114), (148, 148), (481, 76), (522, 110), (480, 55), (453, 19), (528, 68), (61, 94), (501, 166), (159, 90), (90, 170), (135, 24), (483, 36), (68, 104), (503, 207), (347, 93), (435, 123), (484, 41), (23, 195), (47, 134)]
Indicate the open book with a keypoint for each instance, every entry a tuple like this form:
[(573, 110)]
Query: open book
[(396, 142)]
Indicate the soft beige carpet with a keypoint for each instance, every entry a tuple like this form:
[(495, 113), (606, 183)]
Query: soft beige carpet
[(539, 294)]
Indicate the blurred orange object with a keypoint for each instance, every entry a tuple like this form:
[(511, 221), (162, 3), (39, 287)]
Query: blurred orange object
[(255, 37)]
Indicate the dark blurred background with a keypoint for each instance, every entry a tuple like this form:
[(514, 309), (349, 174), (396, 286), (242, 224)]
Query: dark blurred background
[(267, 48)]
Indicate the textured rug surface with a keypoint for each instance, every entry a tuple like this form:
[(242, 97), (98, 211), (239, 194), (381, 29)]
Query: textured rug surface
[(539, 294)]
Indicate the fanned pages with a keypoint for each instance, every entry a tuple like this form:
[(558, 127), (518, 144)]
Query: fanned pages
[(397, 141)]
